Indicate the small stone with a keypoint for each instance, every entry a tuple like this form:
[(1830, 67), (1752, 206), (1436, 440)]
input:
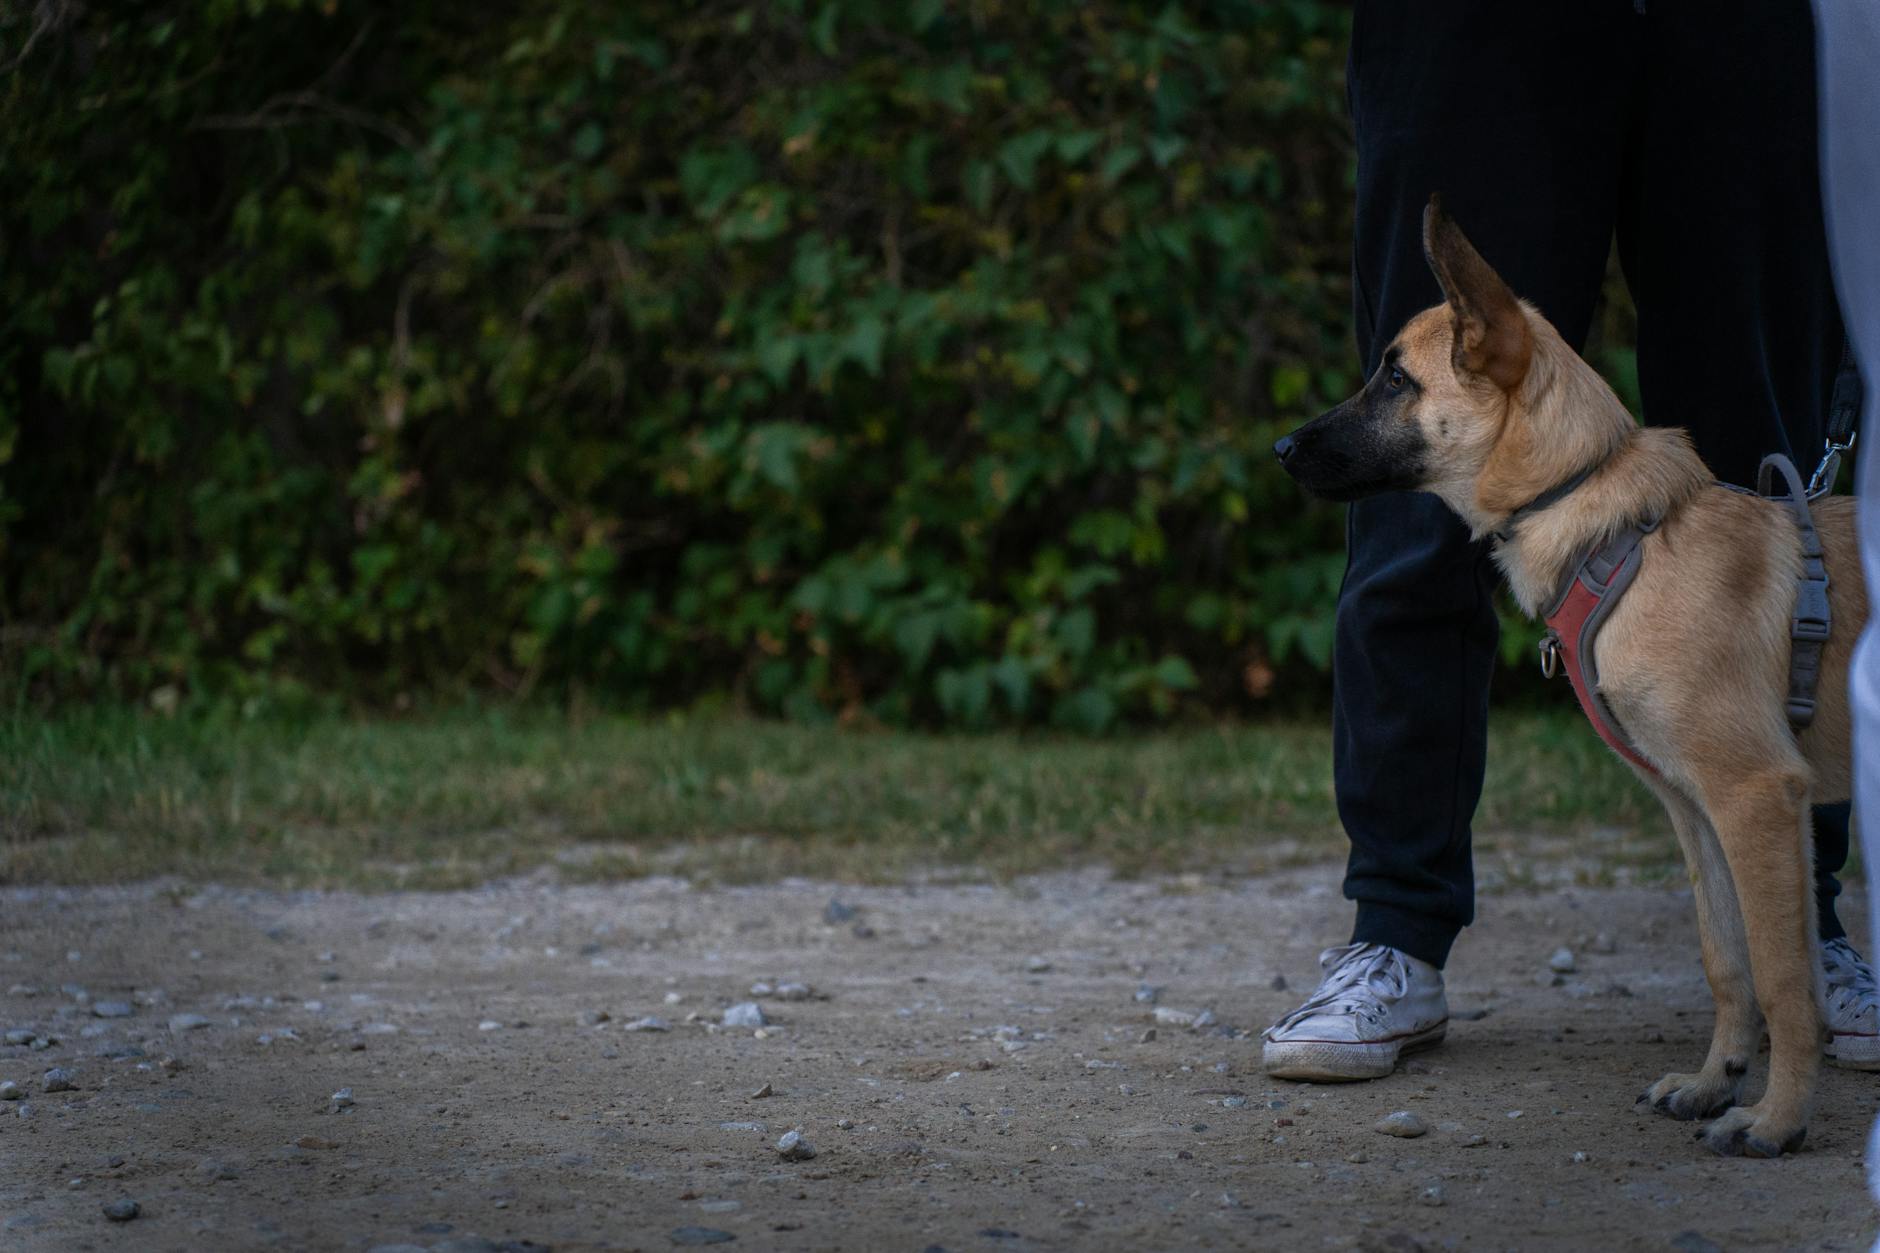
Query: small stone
[(1240, 1102), (1358, 1156), (213, 1170), (835, 913), (648, 1023), (112, 1009), (489, 1024), (1654, 1037), (845, 1124), (758, 1127), (1562, 961), (1147, 1036), (1581, 1158), (1147, 994), (593, 1017), (1278, 984), (11, 1091), (342, 1099), (1173, 1017), (180, 1023), (762, 1092), (58, 1079), (21, 1035), (699, 1235), (122, 1210), (1402, 1124), (745, 1014), (1474, 1140), (1602, 943), (794, 992), (794, 1148), (1514, 1113), (1432, 1195), (1037, 965), (760, 988), (1205, 1018)]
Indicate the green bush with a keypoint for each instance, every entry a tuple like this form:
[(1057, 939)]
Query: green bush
[(909, 361)]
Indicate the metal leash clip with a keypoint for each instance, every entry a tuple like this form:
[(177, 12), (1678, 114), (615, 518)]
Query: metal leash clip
[(1550, 655), (1822, 481)]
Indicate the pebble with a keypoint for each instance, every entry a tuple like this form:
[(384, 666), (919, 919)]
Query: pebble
[(1037, 965), (835, 913), (212, 1170), (1562, 961), (593, 1017), (648, 1023), (1402, 1124), (1236, 1102), (342, 1099), (845, 1124), (180, 1023), (745, 1014), (1173, 1017), (122, 1210), (1603, 943), (762, 1092), (1580, 1158), (112, 1009), (1205, 1018), (1432, 1195), (1278, 984), (59, 1079), (699, 1235), (1474, 1141), (794, 992), (1147, 994), (794, 1148), (11, 1091), (489, 1024), (1359, 1156), (1147, 1036), (21, 1035), (758, 1127)]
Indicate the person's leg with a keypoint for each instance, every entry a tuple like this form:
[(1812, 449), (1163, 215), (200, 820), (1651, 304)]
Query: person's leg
[(1511, 113), (1849, 43), (1725, 252)]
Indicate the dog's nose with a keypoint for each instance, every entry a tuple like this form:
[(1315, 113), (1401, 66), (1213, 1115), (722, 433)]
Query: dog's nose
[(1283, 448)]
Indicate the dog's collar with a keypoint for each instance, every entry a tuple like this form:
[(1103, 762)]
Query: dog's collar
[(1552, 496)]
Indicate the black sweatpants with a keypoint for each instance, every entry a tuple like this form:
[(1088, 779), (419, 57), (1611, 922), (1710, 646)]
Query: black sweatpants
[(1687, 129)]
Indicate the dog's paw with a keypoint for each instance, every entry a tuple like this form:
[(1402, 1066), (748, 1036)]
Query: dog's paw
[(1746, 1132), (1686, 1097)]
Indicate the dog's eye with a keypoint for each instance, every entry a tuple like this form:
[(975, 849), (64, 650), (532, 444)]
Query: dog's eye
[(1396, 379)]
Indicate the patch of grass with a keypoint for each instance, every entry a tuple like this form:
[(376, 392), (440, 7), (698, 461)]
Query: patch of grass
[(457, 796)]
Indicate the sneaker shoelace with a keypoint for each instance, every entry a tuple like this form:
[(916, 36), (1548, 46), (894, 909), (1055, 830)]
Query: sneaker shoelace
[(1360, 979), (1849, 977)]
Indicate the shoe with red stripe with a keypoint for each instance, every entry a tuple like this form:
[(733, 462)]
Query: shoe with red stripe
[(1374, 1004)]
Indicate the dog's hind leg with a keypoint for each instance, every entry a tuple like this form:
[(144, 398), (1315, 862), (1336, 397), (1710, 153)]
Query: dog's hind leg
[(1738, 1028), (1760, 817)]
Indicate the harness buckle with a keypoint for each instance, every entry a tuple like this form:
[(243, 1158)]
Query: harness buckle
[(1809, 629), (1550, 655)]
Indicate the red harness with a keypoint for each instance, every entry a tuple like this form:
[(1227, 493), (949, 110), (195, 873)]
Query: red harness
[(1574, 621)]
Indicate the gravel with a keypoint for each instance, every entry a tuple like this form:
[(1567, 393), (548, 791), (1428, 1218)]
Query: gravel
[(794, 1148), (122, 1210), (59, 1079), (745, 1014), (1402, 1124)]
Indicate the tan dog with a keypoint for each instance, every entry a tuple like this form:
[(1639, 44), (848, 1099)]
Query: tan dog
[(1481, 402)]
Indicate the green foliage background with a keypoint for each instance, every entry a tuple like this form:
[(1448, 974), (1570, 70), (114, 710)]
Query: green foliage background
[(917, 361)]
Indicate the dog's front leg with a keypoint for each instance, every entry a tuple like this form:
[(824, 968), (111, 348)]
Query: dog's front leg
[(1738, 1028), (1761, 821)]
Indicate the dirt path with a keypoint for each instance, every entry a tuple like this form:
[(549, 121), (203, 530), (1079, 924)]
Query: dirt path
[(986, 1045)]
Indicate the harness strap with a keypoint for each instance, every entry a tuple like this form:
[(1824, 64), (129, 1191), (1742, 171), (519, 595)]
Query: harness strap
[(1573, 623), (1812, 619), (1843, 415)]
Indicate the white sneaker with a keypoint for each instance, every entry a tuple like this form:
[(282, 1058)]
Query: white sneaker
[(1853, 1008), (1373, 1005)]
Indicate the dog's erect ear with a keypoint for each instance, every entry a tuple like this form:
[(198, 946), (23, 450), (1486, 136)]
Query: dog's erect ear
[(1492, 337)]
